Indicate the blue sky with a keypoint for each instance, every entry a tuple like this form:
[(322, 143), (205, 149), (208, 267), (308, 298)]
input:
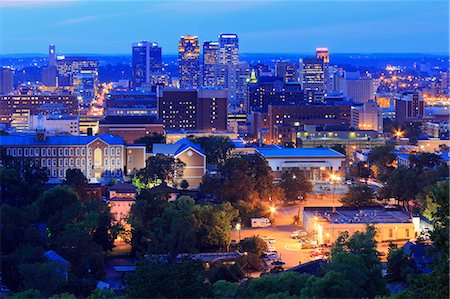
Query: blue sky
[(109, 27)]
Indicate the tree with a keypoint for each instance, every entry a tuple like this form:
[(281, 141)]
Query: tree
[(358, 196), (44, 277), (27, 294), (231, 273), (184, 280), (398, 265), (356, 258), (184, 184), (149, 140), (224, 289), (332, 285), (76, 180), (160, 168), (382, 157), (296, 185), (360, 170), (216, 147), (254, 245), (213, 226), (423, 161), (402, 184)]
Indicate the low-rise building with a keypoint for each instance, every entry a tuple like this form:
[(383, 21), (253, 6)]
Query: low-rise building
[(174, 136), (121, 197), (98, 157), (190, 154), (392, 225), (317, 163)]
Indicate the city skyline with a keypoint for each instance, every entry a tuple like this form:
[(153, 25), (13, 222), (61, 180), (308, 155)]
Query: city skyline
[(262, 26)]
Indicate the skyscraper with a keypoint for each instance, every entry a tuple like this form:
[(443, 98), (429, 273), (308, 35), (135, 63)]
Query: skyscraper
[(312, 77), (146, 60), (228, 49), (210, 60), (6, 80), (189, 61), (323, 53), (49, 73)]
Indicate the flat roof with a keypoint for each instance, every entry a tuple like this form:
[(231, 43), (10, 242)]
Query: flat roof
[(369, 215), (299, 152)]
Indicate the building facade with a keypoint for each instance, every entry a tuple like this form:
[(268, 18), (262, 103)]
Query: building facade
[(69, 67), (286, 70), (210, 60), (409, 106), (98, 157), (146, 60), (312, 77), (193, 110), (131, 128), (6, 80), (189, 62), (367, 116)]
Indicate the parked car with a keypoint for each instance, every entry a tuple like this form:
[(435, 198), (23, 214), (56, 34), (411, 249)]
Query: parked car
[(273, 256), (272, 241), (298, 234)]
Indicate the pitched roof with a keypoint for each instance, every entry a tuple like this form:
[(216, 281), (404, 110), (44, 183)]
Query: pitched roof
[(174, 149), (300, 152), (30, 139), (164, 188), (53, 256)]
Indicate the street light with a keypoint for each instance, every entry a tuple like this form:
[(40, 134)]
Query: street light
[(273, 209), (238, 228), (333, 179)]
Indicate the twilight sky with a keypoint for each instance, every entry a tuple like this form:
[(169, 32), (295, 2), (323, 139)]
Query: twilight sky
[(290, 26)]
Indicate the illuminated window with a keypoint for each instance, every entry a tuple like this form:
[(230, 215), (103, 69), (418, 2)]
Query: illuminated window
[(97, 157)]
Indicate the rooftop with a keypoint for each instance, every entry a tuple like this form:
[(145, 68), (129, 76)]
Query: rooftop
[(369, 215), (30, 139), (123, 188), (176, 148), (299, 152)]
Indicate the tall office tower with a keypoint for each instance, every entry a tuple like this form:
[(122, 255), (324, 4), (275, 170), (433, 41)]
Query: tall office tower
[(146, 61), (6, 80), (189, 61), (367, 117), (323, 53), (409, 106), (51, 55), (286, 70), (50, 73), (193, 110), (228, 49), (238, 76), (210, 60), (312, 78)]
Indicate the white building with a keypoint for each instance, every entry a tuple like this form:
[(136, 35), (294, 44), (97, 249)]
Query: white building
[(317, 163), (367, 117), (55, 124)]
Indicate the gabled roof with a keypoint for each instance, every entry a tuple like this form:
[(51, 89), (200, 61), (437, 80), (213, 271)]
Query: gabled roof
[(30, 139), (53, 256), (300, 152), (165, 189), (177, 148)]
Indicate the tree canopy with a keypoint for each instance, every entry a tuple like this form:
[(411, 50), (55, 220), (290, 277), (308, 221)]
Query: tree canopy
[(358, 196)]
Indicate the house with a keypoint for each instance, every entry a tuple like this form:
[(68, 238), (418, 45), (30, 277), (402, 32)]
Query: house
[(420, 256), (190, 154), (63, 264), (121, 197), (172, 193)]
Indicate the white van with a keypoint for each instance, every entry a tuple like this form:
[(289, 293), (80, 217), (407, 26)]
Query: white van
[(260, 222)]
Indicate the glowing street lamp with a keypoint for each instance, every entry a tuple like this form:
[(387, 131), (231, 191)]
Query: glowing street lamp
[(238, 228), (398, 133), (273, 209)]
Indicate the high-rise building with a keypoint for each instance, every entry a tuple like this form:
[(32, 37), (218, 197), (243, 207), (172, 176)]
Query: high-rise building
[(286, 70), (51, 55), (6, 80), (367, 116), (210, 60), (360, 90), (312, 77), (238, 76), (189, 62), (409, 106), (146, 60), (323, 53), (193, 110), (50, 73), (228, 49)]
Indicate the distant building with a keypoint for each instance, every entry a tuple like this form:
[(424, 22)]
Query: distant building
[(146, 60), (55, 124), (6, 80), (393, 225), (50, 73), (136, 103), (18, 109), (189, 62), (174, 136), (131, 128), (359, 90), (267, 91), (286, 70), (210, 60), (193, 110), (190, 154), (323, 53), (70, 66), (62, 265), (316, 163), (409, 106), (98, 157), (367, 116), (228, 48), (312, 77)]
